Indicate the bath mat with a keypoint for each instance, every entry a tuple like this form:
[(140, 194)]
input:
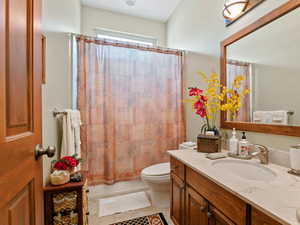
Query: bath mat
[(156, 219), (123, 203)]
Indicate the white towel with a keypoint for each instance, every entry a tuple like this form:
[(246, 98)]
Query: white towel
[(76, 123), (280, 117), (189, 144), (268, 117), (258, 116), (271, 117), (264, 117), (71, 134)]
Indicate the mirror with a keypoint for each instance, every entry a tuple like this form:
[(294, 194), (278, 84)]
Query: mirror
[(267, 54)]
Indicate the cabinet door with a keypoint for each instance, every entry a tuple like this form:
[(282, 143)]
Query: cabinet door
[(85, 207), (259, 218), (215, 217), (196, 208), (177, 200)]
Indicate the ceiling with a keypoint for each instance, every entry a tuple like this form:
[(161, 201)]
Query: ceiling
[(159, 10)]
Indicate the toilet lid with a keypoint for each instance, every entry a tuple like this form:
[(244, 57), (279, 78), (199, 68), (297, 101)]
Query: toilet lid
[(157, 170)]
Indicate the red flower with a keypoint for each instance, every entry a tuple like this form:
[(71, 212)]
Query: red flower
[(199, 105), (201, 112), (71, 161), (61, 166), (203, 98), (195, 92), (200, 108)]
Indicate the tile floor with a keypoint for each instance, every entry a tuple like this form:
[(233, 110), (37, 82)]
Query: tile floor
[(104, 191)]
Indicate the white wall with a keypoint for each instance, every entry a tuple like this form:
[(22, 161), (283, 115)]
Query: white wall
[(194, 61), (280, 96), (93, 18), (197, 25), (59, 17)]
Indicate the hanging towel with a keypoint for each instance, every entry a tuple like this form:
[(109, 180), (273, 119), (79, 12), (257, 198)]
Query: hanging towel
[(71, 133), (76, 123)]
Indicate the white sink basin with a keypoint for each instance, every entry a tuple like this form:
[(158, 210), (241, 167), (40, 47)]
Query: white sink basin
[(245, 169)]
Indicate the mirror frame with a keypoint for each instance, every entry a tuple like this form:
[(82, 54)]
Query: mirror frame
[(263, 21)]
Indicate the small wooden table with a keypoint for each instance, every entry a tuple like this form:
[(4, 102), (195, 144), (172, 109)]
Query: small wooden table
[(78, 207)]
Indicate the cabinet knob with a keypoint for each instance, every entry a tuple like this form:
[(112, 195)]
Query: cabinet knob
[(202, 208), (87, 191), (209, 214), (88, 213), (174, 168)]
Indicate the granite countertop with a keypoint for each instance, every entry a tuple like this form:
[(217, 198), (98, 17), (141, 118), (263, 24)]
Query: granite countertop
[(279, 198)]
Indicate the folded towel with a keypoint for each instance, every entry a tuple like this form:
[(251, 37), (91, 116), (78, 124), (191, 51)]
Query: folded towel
[(271, 117), (258, 116), (280, 117), (189, 144), (268, 117)]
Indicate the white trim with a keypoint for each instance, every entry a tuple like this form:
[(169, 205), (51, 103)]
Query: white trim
[(74, 70), (140, 39), (251, 78)]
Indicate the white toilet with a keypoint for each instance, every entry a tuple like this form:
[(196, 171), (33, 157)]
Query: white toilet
[(157, 177)]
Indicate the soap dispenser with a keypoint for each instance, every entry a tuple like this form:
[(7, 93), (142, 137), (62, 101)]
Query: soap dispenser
[(244, 146), (233, 143)]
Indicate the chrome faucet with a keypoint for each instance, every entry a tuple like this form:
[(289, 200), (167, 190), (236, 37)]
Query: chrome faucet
[(262, 154)]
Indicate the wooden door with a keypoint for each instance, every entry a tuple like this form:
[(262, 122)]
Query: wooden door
[(20, 113), (217, 218), (196, 208), (177, 200)]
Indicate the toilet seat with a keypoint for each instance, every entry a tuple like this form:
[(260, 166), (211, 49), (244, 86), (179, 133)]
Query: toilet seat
[(162, 169)]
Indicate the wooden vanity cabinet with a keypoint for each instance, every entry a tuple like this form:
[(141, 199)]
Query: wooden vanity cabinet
[(215, 217), (219, 199), (191, 207), (196, 208), (177, 199), (196, 200), (177, 192), (178, 168), (259, 218)]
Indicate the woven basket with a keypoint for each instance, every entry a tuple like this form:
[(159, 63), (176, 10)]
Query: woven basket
[(71, 219), (65, 201)]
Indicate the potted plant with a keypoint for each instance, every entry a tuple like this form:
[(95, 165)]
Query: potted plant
[(207, 103)]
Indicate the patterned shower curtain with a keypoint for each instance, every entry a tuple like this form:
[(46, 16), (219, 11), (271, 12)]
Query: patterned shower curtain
[(130, 99)]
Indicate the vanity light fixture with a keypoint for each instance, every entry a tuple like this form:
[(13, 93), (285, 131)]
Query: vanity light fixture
[(234, 8), (130, 2)]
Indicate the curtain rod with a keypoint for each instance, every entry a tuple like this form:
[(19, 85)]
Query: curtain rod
[(91, 38)]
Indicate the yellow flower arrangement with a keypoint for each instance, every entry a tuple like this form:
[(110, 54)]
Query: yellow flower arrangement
[(217, 97)]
